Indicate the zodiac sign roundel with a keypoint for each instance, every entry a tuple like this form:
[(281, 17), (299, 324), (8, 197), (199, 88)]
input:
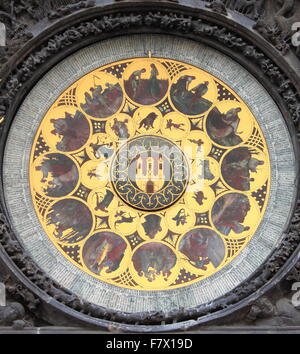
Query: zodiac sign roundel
[(149, 174)]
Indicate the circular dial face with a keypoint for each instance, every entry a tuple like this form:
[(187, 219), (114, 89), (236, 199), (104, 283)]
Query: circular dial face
[(149, 174)]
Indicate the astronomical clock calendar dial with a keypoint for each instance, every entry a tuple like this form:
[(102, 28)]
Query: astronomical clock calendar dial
[(149, 164), (149, 174)]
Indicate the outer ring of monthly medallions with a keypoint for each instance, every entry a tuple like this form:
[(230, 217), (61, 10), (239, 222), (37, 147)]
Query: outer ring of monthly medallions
[(124, 262), (51, 114), (253, 207), (188, 266), (55, 240), (206, 77), (80, 94), (142, 282), (234, 104), (253, 186), (33, 177), (162, 70)]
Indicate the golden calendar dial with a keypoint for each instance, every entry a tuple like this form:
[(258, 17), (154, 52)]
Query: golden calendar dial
[(150, 174)]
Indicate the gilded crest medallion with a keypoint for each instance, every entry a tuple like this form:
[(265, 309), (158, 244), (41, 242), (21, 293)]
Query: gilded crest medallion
[(149, 173)]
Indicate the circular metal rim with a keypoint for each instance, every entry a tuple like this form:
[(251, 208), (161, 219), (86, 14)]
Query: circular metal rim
[(187, 318)]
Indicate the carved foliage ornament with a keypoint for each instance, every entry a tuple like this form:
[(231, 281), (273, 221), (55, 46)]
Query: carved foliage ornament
[(277, 21)]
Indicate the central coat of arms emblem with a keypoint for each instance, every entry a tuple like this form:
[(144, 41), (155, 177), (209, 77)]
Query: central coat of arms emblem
[(150, 173)]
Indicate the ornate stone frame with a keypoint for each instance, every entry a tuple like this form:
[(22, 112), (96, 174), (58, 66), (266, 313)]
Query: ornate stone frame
[(91, 25)]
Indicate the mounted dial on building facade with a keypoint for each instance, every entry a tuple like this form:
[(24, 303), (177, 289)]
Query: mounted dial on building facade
[(150, 170)]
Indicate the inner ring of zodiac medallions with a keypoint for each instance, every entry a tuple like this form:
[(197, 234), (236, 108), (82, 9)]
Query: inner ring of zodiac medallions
[(150, 174)]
